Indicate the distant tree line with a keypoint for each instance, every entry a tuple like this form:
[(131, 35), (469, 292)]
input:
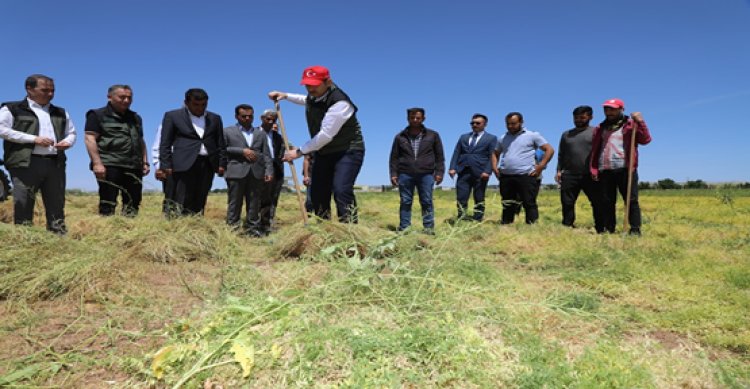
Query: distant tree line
[(669, 183)]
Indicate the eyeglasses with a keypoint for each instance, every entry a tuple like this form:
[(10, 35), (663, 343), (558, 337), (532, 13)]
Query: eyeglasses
[(476, 123)]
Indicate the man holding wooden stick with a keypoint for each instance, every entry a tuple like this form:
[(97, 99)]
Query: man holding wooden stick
[(614, 162), (336, 139)]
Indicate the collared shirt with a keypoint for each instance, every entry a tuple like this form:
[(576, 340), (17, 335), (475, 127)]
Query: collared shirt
[(155, 148), (415, 140), (518, 151), (269, 137), (247, 133), (45, 128), (477, 138), (333, 120), (613, 152), (199, 124)]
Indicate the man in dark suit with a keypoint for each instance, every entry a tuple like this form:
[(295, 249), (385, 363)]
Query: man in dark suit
[(276, 145), (472, 160), (249, 172), (191, 149)]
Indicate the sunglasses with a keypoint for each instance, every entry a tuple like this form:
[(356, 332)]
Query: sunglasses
[(476, 123)]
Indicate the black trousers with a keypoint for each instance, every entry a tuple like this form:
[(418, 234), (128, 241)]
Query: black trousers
[(519, 186), (335, 174), (192, 187), (613, 181), (45, 174), (571, 186), (126, 183), (466, 184)]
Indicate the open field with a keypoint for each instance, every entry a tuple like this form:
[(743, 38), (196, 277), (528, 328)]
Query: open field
[(129, 303)]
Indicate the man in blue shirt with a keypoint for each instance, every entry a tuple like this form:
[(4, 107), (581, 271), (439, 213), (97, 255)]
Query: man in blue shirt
[(515, 166)]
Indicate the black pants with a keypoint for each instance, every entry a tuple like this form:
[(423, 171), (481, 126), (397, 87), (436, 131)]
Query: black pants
[(571, 186), (126, 183), (611, 182), (335, 174), (192, 187), (168, 206), (519, 186), (48, 175), (465, 185)]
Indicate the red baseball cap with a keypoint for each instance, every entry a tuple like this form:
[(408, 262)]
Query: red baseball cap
[(315, 75), (614, 103)]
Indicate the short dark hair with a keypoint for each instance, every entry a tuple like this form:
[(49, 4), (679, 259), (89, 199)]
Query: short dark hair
[(116, 87), (410, 111), (33, 79), (510, 115), (479, 115), (196, 94), (583, 109), (242, 106)]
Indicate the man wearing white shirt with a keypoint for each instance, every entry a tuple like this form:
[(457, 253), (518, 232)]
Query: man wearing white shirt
[(36, 135), (192, 149), (336, 140), (276, 148)]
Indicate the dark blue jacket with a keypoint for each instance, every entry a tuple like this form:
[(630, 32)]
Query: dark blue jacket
[(474, 160)]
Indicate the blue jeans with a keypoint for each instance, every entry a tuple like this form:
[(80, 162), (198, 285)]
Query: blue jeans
[(406, 185), (334, 174)]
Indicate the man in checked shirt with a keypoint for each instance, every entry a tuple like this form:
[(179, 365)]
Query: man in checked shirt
[(417, 161)]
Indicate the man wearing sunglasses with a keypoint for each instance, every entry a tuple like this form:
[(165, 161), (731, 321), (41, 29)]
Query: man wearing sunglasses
[(472, 162)]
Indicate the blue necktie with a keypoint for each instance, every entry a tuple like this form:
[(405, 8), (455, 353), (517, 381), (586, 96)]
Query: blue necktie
[(473, 140)]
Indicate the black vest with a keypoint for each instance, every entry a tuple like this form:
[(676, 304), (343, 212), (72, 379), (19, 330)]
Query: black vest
[(121, 137), (18, 155), (350, 135)]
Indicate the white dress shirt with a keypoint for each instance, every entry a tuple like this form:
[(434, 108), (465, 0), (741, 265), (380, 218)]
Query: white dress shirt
[(45, 129), (247, 133), (155, 148), (199, 124), (333, 120)]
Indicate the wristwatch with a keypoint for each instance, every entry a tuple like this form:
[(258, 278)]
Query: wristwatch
[(299, 153)]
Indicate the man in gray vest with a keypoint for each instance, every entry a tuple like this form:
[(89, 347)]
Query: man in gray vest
[(36, 135), (336, 140), (249, 172), (119, 160)]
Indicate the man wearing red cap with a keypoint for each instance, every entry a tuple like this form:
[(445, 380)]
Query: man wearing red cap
[(610, 161), (336, 141)]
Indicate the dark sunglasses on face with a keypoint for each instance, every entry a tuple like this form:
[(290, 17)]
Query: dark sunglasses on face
[(476, 123)]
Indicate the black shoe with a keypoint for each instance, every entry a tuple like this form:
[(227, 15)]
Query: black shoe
[(635, 232)]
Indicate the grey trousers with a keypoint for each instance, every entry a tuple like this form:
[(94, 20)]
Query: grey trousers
[(47, 175), (250, 191)]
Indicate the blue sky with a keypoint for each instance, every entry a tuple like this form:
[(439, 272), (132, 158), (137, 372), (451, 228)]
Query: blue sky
[(684, 65)]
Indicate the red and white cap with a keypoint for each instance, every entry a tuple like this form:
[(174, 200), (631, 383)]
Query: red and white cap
[(614, 103), (315, 75)]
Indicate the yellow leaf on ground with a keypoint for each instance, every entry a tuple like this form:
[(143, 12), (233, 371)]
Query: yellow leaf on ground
[(245, 356), (157, 365)]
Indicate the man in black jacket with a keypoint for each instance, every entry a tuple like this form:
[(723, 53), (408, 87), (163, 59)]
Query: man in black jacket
[(191, 149), (417, 160)]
